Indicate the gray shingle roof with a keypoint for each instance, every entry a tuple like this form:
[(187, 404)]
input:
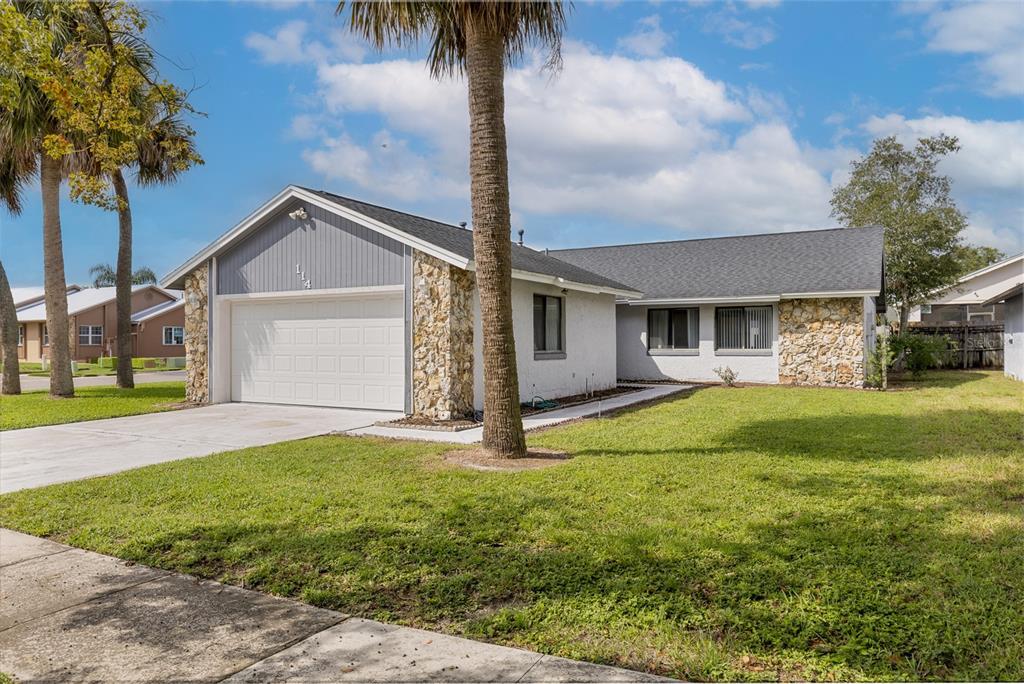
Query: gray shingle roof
[(836, 260), (460, 241)]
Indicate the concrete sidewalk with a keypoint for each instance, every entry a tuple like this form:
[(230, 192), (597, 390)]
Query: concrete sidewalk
[(532, 422), (30, 383), (74, 615)]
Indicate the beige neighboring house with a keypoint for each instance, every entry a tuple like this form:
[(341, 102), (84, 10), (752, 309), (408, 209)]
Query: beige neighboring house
[(970, 300), (158, 323)]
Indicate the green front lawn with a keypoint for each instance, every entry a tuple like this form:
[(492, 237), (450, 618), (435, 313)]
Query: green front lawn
[(750, 533), (89, 403)]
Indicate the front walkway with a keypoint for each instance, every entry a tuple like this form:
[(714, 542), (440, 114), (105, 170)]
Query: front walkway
[(72, 615), (34, 457), (532, 422)]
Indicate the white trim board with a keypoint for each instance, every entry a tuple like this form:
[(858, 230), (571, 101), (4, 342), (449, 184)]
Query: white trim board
[(750, 299), (313, 294)]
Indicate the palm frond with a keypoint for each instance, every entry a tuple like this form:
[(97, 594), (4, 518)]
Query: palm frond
[(520, 24)]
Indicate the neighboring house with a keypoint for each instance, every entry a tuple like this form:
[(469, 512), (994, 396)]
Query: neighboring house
[(320, 299), (1012, 301), (793, 308), (324, 300), (23, 296), (158, 320), (968, 300)]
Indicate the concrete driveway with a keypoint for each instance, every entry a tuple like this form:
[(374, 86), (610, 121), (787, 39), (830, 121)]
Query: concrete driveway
[(39, 456), (35, 382)]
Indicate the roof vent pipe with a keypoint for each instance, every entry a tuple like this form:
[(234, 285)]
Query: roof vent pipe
[(521, 233)]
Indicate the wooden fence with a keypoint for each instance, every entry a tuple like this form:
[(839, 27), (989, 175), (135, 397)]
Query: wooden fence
[(970, 346)]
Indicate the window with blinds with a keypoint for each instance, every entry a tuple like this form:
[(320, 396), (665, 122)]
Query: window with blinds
[(743, 327), (673, 328)]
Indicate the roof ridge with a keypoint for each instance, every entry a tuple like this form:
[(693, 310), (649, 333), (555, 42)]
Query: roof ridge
[(381, 206), (715, 237)]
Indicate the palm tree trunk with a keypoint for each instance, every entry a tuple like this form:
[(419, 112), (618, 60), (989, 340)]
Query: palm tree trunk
[(9, 337), (54, 284), (123, 282), (492, 240)]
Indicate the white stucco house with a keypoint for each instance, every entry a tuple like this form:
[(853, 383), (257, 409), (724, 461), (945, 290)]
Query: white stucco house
[(320, 299), (1012, 300), (970, 300), (795, 307)]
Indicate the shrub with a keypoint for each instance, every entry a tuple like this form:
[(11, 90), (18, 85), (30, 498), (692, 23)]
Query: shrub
[(918, 353), (879, 360), (144, 362), (727, 374)]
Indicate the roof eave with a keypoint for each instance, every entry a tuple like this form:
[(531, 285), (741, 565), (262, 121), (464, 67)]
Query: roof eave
[(1006, 294), (751, 299), (559, 281)]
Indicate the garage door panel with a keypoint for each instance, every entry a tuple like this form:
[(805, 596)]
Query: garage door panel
[(333, 352)]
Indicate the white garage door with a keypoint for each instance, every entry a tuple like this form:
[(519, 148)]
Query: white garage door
[(324, 352)]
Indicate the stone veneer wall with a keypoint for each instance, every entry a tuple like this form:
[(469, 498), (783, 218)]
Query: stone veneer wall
[(442, 339), (196, 336), (821, 342)]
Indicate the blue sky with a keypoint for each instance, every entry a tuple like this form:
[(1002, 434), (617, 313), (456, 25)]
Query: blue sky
[(667, 121)]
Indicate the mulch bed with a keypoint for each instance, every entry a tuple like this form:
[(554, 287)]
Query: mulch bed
[(479, 459), (419, 423)]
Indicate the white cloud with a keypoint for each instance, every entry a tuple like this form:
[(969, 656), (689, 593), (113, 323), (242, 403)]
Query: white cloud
[(739, 32), (648, 39), (638, 141), (991, 155), (987, 172), (291, 44), (286, 46), (991, 30), (304, 127)]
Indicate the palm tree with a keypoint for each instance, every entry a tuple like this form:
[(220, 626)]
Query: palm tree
[(23, 126), (11, 383), (162, 155), (478, 39), (105, 275)]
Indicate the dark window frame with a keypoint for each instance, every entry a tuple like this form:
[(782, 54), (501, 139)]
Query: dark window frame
[(672, 347), (540, 336)]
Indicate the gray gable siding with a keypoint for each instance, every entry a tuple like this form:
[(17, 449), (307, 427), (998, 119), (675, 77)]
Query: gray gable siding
[(332, 251)]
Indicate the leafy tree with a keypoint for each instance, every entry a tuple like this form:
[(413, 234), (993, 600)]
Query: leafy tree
[(478, 39), (11, 383), (902, 190), (104, 275), (973, 258), (78, 96), (37, 37)]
